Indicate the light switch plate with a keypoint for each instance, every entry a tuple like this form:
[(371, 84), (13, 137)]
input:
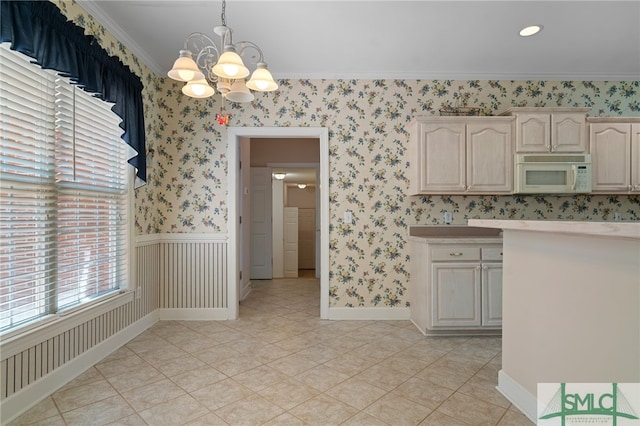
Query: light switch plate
[(348, 217), (447, 217)]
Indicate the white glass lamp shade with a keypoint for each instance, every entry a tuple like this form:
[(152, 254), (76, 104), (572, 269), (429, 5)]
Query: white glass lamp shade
[(198, 89), (240, 92), (230, 65), (185, 68), (262, 80), (279, 175), (302, 185)]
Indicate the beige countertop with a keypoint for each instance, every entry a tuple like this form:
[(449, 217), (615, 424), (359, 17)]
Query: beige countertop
[(629, 230), (451, 234), (456, 240)]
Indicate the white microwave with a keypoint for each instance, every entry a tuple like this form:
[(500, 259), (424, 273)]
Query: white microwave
[(552, 173)]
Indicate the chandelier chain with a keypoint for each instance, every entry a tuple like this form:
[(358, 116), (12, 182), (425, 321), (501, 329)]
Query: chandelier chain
[(223, 17)]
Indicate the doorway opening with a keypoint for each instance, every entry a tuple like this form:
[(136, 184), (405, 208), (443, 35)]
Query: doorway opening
[(296, 216), (237, 138)]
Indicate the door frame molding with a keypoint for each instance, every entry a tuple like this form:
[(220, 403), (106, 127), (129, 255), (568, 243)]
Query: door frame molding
[(234, 134)]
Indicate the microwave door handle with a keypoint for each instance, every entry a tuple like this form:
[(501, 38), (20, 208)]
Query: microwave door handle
[(574, 173)]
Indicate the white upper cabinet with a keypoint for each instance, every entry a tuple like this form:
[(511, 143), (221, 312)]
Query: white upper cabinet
[(550, 130), (461, 155), (440, 157), (615, 154), (489, 158)]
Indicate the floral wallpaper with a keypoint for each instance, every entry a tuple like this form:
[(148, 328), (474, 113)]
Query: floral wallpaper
[(368, 137)]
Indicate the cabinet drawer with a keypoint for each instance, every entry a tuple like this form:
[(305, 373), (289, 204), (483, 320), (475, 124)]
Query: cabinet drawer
[(455, 253), (492, 253)]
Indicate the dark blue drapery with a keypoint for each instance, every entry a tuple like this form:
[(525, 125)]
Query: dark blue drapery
[(39, 30)]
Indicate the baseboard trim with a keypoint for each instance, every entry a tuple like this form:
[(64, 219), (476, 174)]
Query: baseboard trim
[(199, 314), (246, 290), (517, 395), (369, 314), (23, 400)]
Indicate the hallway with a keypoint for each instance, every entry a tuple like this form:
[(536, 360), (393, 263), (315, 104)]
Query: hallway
[(279, 364)]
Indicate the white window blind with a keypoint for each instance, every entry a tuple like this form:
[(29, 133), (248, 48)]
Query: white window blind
[(63, 194)]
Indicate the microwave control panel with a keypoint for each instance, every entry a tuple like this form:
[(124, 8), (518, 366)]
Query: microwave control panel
[(583, 179)]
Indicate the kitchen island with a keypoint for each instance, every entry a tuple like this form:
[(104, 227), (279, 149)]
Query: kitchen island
[(571, 305)]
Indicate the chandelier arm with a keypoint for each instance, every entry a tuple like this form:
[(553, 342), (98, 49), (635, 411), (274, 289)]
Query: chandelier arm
[(198, 40), (206, 59), (226, 36), (242, 46), (205, 52)]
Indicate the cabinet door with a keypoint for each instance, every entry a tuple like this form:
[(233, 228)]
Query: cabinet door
[(489, 158), (442, 157), (635, 157), (533, 132), (492, 294), (568, 132), (610, 146), (455, 294)]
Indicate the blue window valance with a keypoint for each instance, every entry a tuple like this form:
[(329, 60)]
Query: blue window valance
[(39, 30)]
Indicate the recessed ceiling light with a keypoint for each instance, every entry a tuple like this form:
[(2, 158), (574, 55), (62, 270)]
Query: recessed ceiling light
[(531, 30)]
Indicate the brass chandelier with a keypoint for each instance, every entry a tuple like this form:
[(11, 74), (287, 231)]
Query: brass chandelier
[(202, 64)]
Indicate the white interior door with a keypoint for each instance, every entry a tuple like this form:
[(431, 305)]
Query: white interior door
[(290, 241), (261, 228), (306, 238), (277, 200)]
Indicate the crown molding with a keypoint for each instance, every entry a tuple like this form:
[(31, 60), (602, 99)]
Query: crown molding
[(94, 9)]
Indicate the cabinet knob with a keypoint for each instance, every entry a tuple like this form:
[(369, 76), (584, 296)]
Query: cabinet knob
[(485, 267), (455, 254)]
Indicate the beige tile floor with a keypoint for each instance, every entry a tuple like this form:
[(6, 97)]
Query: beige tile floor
[(279, 364)]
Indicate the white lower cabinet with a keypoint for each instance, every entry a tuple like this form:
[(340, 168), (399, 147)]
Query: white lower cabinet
[(492, 294), (455, 294), (456, 288)]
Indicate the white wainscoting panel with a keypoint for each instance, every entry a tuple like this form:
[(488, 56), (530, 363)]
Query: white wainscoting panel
[(193, 274)]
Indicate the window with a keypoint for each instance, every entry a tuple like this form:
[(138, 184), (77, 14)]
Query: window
[(63, 195)]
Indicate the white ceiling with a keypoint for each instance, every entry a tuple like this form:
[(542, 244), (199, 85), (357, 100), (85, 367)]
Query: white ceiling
[(420, 39)]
